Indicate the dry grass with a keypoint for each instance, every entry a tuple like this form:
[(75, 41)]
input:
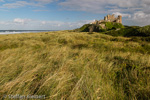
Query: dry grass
[(74, 66)]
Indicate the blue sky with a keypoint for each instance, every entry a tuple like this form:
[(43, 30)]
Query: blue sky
[(69, 14)]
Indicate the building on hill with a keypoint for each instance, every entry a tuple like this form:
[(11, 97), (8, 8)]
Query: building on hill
[(109, 18)]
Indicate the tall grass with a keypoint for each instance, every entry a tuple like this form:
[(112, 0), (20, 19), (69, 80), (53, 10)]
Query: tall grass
[(74, 66)]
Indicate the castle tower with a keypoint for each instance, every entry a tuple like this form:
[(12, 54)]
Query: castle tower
[(120, 19), (105, 18), (108, 17), (113, 16)]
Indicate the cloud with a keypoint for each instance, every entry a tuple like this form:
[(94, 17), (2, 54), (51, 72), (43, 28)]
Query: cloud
[(82, 5), (137, 11), (19, 4), (44, 1), (141, 18), (30, 24), (40, 10), (21, 21), (24, 3), (122, 14), (140, 15), (99, 5), (146, 2)]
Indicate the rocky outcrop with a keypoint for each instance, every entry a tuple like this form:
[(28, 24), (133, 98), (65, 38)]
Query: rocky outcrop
[(94, 28)]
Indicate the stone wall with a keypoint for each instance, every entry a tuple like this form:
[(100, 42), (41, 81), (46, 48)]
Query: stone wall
[(120, 19), (111, 18)]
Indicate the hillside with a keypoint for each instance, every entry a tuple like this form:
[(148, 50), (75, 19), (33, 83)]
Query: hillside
[(98, 28), (67, 65), (116, 29), (130, 31)]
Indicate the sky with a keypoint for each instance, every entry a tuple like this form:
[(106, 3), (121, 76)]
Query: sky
[(69, 14)]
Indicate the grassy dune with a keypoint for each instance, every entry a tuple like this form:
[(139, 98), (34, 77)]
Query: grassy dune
[(75, 66)]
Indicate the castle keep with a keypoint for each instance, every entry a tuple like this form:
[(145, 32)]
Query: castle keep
[(110, 18)]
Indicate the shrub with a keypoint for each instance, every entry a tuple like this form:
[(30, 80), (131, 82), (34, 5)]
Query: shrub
[(111, 25), (127, 32), (144, 31)]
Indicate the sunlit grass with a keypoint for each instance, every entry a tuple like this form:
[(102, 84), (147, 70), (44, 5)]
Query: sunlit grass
[(74, 66)]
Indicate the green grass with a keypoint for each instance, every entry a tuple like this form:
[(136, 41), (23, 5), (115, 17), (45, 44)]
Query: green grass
[(84, 28), (67, 65), (129, 31), (98, 28), (145, 31), (116, 29), (111, 25)]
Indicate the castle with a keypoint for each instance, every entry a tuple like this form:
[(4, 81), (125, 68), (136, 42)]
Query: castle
[(109, 18)]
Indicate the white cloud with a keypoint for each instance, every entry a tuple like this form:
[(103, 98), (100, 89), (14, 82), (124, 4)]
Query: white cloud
[(40, 10), (24, 3), (140, 15), (44, 1), (137, 11), (141, 18), (134, 10), (22, 21), (122, 14), (99, 5), (82, 5), (27, 24), (1, 0), (19, 4), (106, 5)]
